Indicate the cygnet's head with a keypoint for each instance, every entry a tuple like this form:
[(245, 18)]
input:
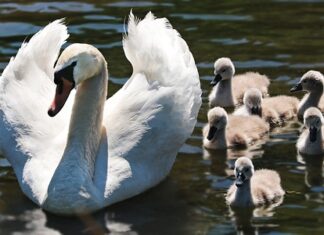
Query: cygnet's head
[(224, 69), (77, 63), (311, 81), (217, 119), (253, 101), (243, 170), (313, 120)]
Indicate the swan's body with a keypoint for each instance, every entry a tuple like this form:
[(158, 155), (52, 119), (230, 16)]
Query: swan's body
[(311, 140), (253, 188), (228, 91), (275, 110), (109, 150), (223, 131), (313, 83)]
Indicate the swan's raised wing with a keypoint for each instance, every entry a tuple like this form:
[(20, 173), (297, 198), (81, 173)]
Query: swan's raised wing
[(26, 90), (150, 118)]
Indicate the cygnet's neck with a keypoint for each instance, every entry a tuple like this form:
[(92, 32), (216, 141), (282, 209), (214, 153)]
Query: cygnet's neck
[(224, 93), (312, 100), (317, 144), (86, 122), (243, 196), (220, 138)]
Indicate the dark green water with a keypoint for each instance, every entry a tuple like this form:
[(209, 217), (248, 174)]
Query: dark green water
[(282, 39)]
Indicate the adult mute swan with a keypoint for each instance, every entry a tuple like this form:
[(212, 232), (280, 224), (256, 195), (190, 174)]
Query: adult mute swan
[(92, 153)]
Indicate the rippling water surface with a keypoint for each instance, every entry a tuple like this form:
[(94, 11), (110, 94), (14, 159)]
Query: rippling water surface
[(280, 38)]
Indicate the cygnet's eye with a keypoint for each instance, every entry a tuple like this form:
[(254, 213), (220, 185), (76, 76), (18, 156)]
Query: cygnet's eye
[(246, 169), (223, 70), (304, 81)]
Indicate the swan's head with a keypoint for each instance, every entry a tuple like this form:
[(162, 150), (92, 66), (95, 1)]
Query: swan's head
[(252, 100), (217, 119), (224, 69), (311, 81), (77, 63), (313, 120), (243, 170)]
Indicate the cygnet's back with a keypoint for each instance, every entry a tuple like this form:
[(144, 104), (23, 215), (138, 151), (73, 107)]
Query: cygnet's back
[(243, 82)]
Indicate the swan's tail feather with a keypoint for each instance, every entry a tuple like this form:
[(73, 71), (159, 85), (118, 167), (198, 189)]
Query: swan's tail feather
[(156, 49), (42, 50)]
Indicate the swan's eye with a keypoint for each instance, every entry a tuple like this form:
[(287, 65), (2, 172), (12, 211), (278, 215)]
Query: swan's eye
[(74, 63), (304, 81), (223, 70), (246, 169)]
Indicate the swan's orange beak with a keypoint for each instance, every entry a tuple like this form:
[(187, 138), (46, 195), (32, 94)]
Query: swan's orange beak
[(63, 89)]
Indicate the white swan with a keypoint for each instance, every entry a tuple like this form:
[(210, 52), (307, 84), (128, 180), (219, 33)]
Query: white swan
[(107, 151)]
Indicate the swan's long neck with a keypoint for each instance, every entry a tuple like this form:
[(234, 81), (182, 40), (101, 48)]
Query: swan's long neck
[(86, 122)]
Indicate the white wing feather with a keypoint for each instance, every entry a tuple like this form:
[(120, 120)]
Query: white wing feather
[(26, 90)]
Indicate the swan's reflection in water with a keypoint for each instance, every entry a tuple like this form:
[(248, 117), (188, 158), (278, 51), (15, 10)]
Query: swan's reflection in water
[(160, 209)]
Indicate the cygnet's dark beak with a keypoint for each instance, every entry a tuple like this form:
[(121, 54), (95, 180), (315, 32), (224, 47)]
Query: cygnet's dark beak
[(239, 179), (211, 133), (216, 79), (312, 134), (256, 110), (297, 87)]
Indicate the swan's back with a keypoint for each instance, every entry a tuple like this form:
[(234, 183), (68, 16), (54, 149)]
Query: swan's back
[(149, 119)]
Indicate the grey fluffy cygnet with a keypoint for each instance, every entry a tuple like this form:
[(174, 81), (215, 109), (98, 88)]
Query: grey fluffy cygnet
[(275, 110), (313, 83), (311, 139), (228, 89), (253, 188), (223, 131)]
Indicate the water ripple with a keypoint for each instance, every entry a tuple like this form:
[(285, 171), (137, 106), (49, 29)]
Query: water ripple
[(218, 17), (138, 4), (6, 29), (48, 7), (80, 29)]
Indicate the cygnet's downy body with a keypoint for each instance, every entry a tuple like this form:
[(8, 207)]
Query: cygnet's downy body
[(253, 188), (275, 110), (223, 131)]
